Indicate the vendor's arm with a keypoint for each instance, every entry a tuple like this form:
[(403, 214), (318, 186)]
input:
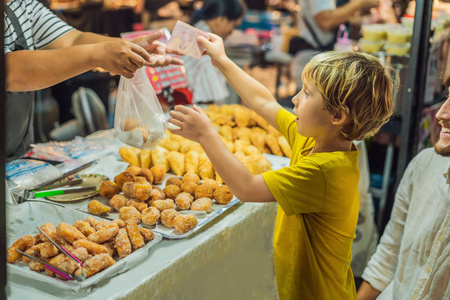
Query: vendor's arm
[(330, 19), (367, 292), (195, 125), (254, 94)]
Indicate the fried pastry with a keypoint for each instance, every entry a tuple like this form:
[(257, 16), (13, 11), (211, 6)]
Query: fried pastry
[(174, 180), (259, 141), (205, 167), (184, 223), (140, 191), (147, 234), (145, 158), (33, 251), (84, 227), (104, 234), (124, 177), (133, 169), (259, 120), (252, 151), (189, 187), (147, 174), (129, 212), (240, 145), (244, 134), (273, 131), (69, 233), (97, 263), (284, 145), (119, 223), (183, 201), (211, 182), (226, 132), (272, 142), (156, 194), (162, 205), (167, 217), (159, 158), (97, 208), (140, 205), (36, 266), (136, 239), (122, 243), (91, 247), (188, 145), (150, 216), (110, 245), (108, 189), (191, 162), (191, 177), (264, 164), (130, 155), (119, 201), (171, 191), (202, 204), (159, 173), (49, 230), (80, 253), (241, 116), (48, 250), (223, 195), (176, 162), (169, 144), (218, 178), (204, 190)]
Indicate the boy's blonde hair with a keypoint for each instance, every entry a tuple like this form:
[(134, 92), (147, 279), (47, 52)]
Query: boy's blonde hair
[(355, 84)]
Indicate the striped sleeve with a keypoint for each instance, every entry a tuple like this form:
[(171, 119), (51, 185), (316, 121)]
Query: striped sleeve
[(46, 26)]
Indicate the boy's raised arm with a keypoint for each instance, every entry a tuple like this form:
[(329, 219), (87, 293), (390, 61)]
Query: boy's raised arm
[(254, 94)]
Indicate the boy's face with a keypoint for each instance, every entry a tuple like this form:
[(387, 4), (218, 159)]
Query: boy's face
[(313, 120), (442, 146)]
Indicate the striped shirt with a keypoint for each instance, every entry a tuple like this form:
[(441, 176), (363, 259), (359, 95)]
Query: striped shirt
[(206, 82), (39, 25)]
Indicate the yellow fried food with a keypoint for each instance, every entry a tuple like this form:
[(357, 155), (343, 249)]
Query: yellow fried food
[(69, 233), (204, 190), (156, 194), (94, 223), (174, 180), (35, 266), (273, 131), (244, 134), (97, 208), (226, 132), (218, 178), (150, 216), (162, 205), (66, 264), (119, 201), (122, 243), (80, 253), (159, 158), (124, 177), (130, 155), (119, 223), (49, 230), (134, 169), (205, 167), (137, 190), (91, 247), (252, 151), (184, 223), (158, 172), (136, 239), (263, 163), (171, 191), (129, 212), (229, 145), (259, 120), (176, 162), (104, 234), (108, 189), (147, 174), (147, 234), (241, 116), (189, 187), (272, 142), (183, 201), (167, 217), (250, 163), (240, 145), (202, 204), (110, 245), (97, 263), (284, 145), (145, 158), (33, 251), (191, 162), (259, 141), (188, 145), (211, 182), (140, 205), (37, 239), (258, 130), (191, 177), (169, 144), (48, 250), (223, 194)]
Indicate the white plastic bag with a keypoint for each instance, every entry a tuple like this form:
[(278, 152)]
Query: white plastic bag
[(139, 118)]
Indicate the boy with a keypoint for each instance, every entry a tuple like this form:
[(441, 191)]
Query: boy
[(346, 96)]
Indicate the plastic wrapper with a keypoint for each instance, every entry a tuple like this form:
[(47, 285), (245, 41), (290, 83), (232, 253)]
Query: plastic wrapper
[(139, 119)]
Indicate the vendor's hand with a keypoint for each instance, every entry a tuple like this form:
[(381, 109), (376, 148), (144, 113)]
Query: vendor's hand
[(193, 122), (214, 48), (366, 5)]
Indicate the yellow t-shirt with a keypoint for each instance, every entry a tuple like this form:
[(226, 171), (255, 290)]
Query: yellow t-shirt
[(316, 220)]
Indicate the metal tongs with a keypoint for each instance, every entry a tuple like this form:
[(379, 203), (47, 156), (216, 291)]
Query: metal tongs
[(78, 276)]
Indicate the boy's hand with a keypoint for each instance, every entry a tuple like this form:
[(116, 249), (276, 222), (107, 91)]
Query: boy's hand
[(194, 123), (214, 48)]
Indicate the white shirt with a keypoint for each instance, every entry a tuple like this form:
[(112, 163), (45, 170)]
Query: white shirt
[(39, 25), (309, 9), (205, 80), (412, 260)]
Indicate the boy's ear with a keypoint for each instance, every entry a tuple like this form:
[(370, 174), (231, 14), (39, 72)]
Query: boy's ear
[(339, 118)]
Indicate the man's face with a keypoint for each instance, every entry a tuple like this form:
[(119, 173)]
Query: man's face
[(442, 146)]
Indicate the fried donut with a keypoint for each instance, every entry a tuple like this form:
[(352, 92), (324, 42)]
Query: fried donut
[(211, 182), (140, 206), (147, 174), (204, 190), (158, 174), (33, 251), (119, 201), (176, 162), (69, 233), (134, 169), (91, 247), (48, 250), (156, 194), (184, 200), (223, 195), (140, 191), (119, 223), (97, 263), (162, 205), (184, 223), (150, 216), (202, 204), (172, 191), (130, 155), (84, 227), (104, 234), (145, 158), (167, 217), (124, 177), (108, 189), (122, 243), (141, 179), (189, 187), (97, 208), (49, 230), (147, 234), (111, 246), (136, 239), (94, 223), (35, 266), (174, 180), (80, 253), (129, 212)]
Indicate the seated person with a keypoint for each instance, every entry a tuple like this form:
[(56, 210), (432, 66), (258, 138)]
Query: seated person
[(219, 17), (413, 258)]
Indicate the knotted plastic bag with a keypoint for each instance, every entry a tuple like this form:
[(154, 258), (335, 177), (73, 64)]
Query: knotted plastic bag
[(139, 118)]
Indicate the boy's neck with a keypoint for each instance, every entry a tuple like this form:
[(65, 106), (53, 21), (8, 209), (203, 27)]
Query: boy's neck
[(331, 144)]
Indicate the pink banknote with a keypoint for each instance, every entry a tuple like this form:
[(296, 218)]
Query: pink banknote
[(184, 40)]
